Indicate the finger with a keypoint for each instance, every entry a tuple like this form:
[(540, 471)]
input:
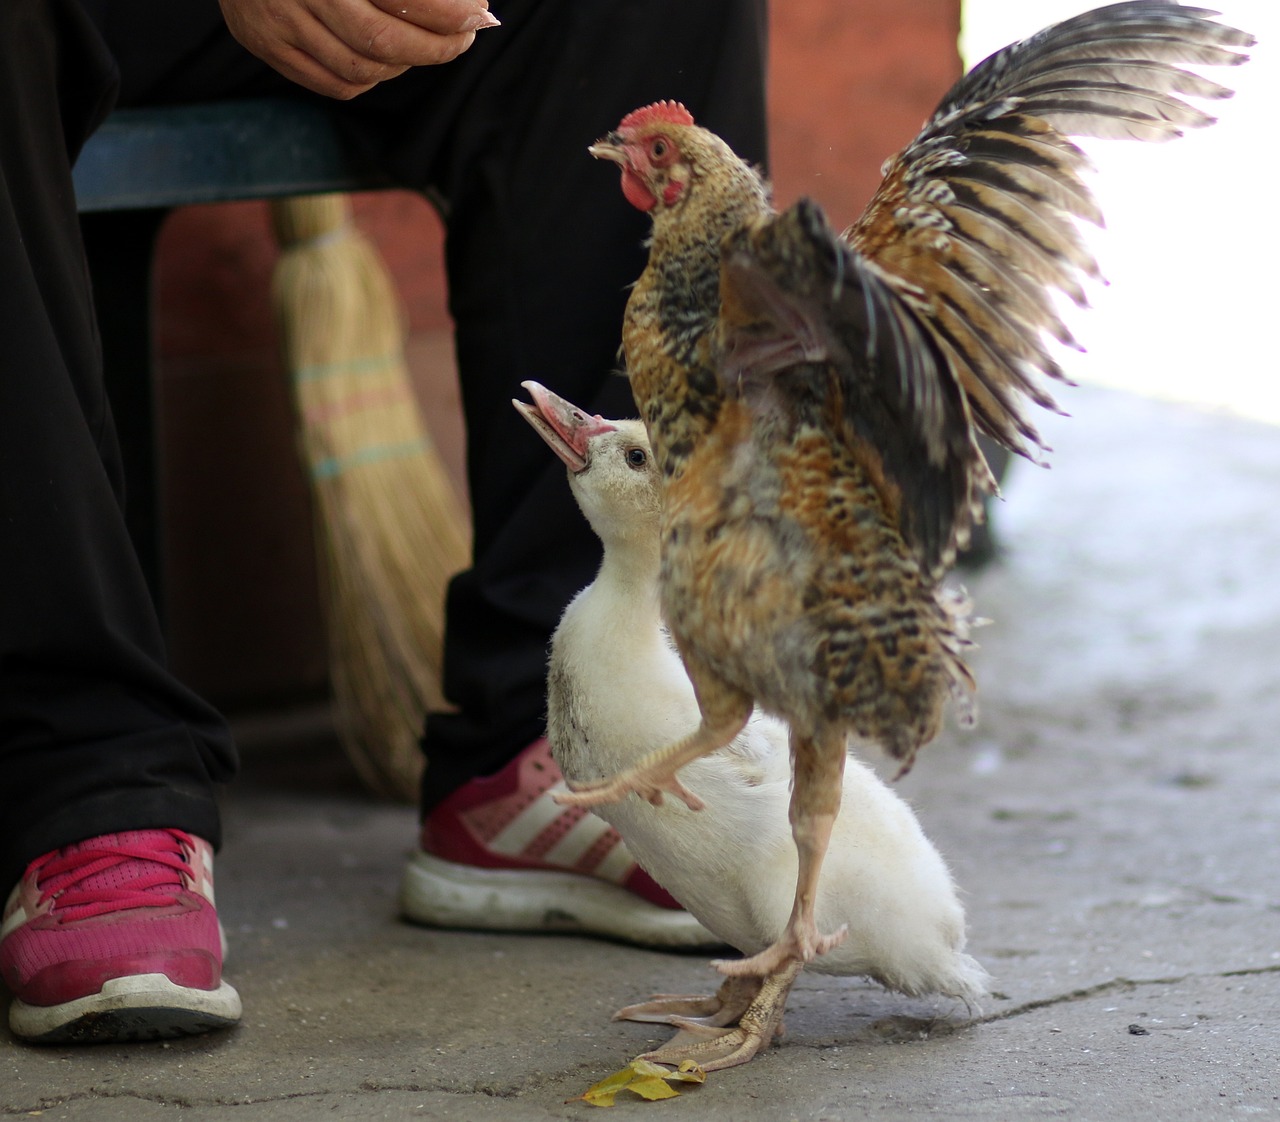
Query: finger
[(444, 17), (313, 54), (292, 41), (306, 71), (315, 58), (377, 36)]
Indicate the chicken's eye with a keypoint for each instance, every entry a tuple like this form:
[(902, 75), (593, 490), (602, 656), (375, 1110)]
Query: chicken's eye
[(637, 458), (659, 148)]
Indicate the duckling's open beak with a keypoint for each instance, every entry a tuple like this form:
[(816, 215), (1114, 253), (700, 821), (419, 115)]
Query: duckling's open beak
[(566, 428)]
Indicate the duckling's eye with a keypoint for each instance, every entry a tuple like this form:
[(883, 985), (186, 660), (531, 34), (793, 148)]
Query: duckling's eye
[(637, 458)]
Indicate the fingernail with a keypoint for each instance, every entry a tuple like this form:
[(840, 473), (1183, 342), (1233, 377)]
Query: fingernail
[(481, 21)]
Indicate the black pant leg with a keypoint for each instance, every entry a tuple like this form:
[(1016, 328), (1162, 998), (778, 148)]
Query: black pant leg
[(171, 53), (95, 735)]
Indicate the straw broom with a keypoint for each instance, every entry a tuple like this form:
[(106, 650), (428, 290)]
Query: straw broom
[(389, 525)]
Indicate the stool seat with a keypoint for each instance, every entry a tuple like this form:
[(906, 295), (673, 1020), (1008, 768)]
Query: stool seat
[(207, 153)]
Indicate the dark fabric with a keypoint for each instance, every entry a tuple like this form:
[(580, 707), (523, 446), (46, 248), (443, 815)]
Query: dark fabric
[(92, 726), (540, 250)]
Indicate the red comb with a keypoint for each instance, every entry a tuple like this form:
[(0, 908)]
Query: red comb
[(665, 112)]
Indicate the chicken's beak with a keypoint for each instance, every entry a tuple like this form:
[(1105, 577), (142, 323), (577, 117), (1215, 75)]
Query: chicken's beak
[(566, 428), (609, 147)]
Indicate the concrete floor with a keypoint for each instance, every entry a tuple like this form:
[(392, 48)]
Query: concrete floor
[(1114, 821)]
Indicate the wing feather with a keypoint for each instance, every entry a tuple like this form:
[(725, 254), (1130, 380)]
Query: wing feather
[(980, 212)]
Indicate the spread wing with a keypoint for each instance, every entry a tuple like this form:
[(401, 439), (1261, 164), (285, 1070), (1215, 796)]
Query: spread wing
[(934, 314), (803, 315), (975, 221)]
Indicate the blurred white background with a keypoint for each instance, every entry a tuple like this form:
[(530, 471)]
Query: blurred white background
[(1192, 244)]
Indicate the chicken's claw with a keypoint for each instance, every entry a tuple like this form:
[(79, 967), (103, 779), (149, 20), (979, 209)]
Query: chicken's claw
[(800, 943), (655, 775), (650, 784)]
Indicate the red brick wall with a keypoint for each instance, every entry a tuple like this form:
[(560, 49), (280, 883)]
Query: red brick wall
[(850, 83)]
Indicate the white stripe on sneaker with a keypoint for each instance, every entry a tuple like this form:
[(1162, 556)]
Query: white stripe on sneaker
[(518, 834), (571, 848), (616, 867)]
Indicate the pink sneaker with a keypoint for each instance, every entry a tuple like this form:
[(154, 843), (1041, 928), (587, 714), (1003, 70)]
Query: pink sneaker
[(499, 854), (116, 938)]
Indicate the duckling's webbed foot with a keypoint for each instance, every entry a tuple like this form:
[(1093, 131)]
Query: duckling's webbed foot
[(724, 1007), (714, 1047)]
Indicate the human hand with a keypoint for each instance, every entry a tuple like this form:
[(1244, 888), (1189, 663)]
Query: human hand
[(341, 48)]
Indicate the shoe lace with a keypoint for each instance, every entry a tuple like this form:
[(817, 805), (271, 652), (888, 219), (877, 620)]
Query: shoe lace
[(115, 873)]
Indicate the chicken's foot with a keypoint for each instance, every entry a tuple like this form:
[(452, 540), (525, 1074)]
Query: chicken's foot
[(712, 1047), (800, 942), (655, 775)]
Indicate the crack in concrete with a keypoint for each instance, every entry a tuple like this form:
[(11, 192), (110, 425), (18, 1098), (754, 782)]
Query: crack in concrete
[(45, 1103), (531, 1082), (490, 1090), (1081, 994), (48, 1102), (1111, 985), (1248, 972)]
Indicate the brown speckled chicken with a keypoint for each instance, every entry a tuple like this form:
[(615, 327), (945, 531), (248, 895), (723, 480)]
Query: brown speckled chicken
[(813, 400)]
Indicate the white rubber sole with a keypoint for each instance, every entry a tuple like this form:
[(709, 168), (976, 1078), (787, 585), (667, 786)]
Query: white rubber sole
[(139, 1007), (443, 894)]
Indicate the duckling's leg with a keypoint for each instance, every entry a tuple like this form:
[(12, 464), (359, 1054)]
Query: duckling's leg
[(818, 767), (714, 1048), (724, 1007), (725, 712)]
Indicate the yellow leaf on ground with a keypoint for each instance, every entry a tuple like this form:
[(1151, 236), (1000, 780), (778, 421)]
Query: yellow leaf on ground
[(641, 1077)]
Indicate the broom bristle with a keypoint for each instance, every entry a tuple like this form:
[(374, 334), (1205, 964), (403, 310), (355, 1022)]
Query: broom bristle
[(390, 527)]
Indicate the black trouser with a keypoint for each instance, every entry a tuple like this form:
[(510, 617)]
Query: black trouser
[(95, 734)]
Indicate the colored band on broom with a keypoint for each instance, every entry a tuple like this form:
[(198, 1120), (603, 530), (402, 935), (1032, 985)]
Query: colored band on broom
[(338, 465)]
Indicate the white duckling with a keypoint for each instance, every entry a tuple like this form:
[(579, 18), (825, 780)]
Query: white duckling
[(617, 691)]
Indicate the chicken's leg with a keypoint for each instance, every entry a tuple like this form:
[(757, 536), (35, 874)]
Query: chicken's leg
[(818, 767), (724, 714)]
